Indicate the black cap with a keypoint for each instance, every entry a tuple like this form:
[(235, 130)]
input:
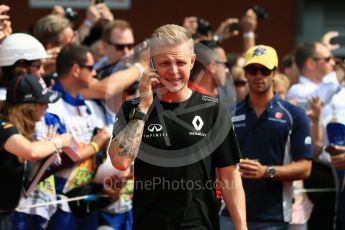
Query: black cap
[(29, 89)]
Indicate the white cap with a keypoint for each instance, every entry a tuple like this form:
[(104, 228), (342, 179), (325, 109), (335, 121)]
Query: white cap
[(19, 46)]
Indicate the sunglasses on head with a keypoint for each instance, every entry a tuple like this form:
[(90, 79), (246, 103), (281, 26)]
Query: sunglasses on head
[(253, 70), (87, 66), (121, 47), (326, 59)]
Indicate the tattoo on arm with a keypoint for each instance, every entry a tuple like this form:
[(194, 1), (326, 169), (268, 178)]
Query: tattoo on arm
[(127, 141)]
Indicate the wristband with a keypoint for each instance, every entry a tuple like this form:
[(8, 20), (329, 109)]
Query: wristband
[(217, 37), (88, 23), (248, 35), (94, 146)]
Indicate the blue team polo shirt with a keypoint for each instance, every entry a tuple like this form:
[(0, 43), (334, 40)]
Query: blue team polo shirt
[(280, 135)]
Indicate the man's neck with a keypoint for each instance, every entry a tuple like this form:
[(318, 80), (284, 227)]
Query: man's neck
[(69, 86), (259, 102), (207, 83), (173, 97), (311, 77)]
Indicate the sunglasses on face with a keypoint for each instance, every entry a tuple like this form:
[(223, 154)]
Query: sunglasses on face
[(87, 66), (253, 70), (222, 62), (121, 47), (37, 65), (326, 59), (240, 83)]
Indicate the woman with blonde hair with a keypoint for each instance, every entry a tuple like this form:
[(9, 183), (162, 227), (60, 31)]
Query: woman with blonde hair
[(27, 99)]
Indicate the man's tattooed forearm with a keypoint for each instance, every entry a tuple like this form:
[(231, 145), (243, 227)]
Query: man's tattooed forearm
[(128, 140)]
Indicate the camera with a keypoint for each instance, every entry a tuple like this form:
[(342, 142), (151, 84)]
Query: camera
[(260, 11), (234, 26), (71, 14), (99, 1), (204, 26), (49, 79)]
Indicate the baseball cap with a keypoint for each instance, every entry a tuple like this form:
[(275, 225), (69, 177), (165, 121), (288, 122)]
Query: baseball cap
[(29, 89), (263, 55)]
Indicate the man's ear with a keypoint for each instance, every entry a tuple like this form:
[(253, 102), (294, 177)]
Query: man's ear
[(310, 63), (74, 70), (192, 61), (211, 67)]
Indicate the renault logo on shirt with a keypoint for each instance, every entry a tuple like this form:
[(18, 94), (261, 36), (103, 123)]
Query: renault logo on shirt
[(197, 123), (154, 128)]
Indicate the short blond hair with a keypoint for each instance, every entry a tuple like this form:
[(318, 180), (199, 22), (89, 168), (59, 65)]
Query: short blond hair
[(49, 28), (282, 79), (171, 35)]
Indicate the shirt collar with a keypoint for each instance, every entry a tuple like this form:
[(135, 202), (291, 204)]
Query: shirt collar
[(69, 99), (305, 81), (270, 105)]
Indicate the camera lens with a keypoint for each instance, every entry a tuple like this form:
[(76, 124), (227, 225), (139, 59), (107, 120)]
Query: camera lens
[(260, 12), (71, 14), (204, 26)]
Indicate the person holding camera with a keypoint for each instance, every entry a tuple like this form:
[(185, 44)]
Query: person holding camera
[(97, 12)]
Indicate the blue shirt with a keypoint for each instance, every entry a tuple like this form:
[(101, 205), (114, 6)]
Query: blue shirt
[(279, 136)]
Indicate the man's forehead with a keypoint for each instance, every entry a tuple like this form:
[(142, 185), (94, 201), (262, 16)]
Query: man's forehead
[(165, 50), (119, 34)]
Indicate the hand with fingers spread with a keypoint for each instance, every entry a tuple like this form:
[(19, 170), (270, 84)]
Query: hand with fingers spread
[(252, 169)]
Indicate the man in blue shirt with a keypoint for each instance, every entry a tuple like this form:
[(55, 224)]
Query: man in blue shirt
[(275, 144)]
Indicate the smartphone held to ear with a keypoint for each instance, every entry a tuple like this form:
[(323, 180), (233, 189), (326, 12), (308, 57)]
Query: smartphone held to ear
[(152, 64)]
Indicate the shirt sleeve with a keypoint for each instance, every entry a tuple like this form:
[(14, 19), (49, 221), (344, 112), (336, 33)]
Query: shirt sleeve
[(228, 152), (300, 136), (6, 131), (122, 118)]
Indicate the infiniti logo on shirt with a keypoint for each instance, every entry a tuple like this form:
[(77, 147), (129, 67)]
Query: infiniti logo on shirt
[(154, 128), (154, 131)]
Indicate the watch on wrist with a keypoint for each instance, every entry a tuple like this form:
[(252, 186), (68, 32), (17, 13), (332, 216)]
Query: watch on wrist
[(137, 114), (271, 172)]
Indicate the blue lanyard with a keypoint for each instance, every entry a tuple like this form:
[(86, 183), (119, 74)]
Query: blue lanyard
[(75, 101)]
